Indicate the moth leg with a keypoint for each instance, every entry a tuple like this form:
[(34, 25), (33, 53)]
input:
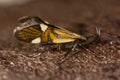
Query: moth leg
[(66, 56), (59, 47)]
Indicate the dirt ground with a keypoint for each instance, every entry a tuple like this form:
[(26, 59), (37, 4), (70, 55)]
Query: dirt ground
[(101, 61)]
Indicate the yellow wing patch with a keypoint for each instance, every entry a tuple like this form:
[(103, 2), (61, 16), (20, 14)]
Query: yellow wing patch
[(62, 40), (60, 37), (45, 35)]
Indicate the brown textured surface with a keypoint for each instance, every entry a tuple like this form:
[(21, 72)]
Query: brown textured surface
[(20, 61)]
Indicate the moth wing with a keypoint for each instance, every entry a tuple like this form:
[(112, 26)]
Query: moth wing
[(62, 33), (28, 34), (29, 29), (60, 40)]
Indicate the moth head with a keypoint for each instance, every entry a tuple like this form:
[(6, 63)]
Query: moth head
[(93, 38)]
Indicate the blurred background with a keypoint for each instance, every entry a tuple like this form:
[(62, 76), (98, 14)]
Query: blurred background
[(79, 16), (65, 13)]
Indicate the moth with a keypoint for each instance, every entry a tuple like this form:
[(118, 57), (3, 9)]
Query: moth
[(35, 30)]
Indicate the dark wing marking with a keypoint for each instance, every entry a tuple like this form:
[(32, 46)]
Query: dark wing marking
[(28, 34)]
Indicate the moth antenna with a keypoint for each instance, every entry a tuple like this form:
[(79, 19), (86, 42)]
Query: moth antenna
[(98, 34), (98, 31)]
